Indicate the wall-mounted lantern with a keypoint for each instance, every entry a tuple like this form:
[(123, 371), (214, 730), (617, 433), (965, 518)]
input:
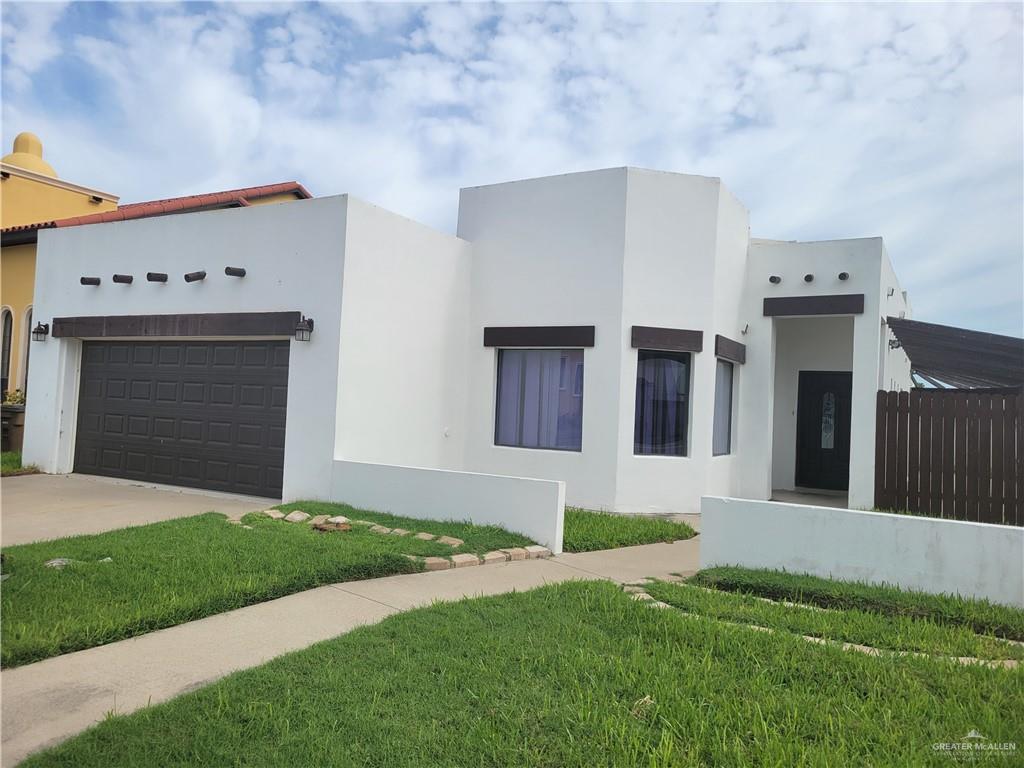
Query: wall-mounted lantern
[(234, 271), (40, 332), (304, 329), (192, 277), (844, 275), (126, 279), (156, 277), (774, 279), (89, 281), (808, 278)]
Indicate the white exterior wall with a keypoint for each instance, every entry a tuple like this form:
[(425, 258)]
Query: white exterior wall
[(863, 260), (404, 337), (293, 254), (685, 243), (920, 553), (549, 252)]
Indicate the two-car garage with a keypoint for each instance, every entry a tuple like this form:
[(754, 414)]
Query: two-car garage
[(207, 414)]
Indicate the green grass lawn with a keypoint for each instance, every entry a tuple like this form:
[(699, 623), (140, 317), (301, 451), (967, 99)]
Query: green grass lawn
[(586, 530), (569, 675), (10, 464), (180, 570), (979, 616), (879, 630)]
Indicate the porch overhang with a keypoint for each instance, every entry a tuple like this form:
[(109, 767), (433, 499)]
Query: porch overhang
[(947, 356)]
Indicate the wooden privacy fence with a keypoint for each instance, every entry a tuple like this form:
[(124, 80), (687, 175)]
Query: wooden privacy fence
[(951, 453)]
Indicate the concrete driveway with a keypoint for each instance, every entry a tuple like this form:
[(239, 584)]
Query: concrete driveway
[(40, 507)]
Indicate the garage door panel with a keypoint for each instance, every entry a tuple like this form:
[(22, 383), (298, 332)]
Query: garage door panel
[(210, 415)]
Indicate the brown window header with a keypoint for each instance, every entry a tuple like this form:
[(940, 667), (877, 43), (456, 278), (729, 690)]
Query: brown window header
[(836, 304), (667, 339), (219, 324), (539, 336), (727, 349)]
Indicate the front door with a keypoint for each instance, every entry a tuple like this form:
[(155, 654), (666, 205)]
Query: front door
[(823, 430)]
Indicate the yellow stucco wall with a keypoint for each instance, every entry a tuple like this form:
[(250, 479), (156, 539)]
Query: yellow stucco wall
[(30, 193), (28, 201), (18, 273)]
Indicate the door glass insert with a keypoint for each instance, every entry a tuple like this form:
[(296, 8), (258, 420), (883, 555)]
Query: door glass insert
[(828, 421)]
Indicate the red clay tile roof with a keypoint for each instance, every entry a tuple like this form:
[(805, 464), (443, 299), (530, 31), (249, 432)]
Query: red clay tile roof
[(231, 197)]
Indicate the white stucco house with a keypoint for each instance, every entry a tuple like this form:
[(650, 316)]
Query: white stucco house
[(615, 335)]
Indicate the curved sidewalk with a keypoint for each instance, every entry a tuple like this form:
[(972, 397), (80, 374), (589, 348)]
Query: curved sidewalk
[(49, 701)]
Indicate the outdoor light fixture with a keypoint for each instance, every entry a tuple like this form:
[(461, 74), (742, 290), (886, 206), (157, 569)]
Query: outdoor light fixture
[(304, 329), (90, 281), (126, 279), (156, 277), (40, 332), (234, 271), (808, 278), (774, 279), (844, 275), (191, 277)]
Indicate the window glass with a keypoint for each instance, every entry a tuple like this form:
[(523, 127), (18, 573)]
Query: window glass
[(662, 403), (5, 354), (722, 439), (537, 404)]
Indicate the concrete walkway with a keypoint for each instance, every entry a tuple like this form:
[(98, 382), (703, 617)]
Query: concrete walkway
[(41, 507), (47, 702)]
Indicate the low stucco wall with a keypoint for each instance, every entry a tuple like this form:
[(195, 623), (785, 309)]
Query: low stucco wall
[(534, 508), (921, 553)]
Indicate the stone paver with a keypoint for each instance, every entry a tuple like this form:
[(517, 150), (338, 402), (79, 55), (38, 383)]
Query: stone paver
[(534, 551), (463, 561), (451, 541), (514, 553), (274, 514), (436, 563), (425, 536), (494, 557)]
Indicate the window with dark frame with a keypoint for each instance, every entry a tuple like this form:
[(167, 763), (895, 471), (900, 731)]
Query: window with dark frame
[(661, 417), (721, 442), (5, 355), (536, 406)]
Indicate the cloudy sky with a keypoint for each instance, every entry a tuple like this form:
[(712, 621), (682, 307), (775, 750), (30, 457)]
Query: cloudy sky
[(826, 120)]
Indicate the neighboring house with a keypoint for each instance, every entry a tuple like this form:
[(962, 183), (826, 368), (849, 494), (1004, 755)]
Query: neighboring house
[(30, 193), (618, 330), (33, 199)]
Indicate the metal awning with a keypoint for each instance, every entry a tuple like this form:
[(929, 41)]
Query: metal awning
[(956, 357)]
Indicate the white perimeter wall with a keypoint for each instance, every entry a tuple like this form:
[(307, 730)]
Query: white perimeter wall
[(926, 554), (404, 342), (531, 507), (293, 254)]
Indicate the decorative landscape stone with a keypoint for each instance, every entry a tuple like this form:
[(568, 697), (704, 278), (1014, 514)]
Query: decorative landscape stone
[(318, 519), (58, 562), (273, 514), (400, 532), (495, 557), (341, 519), (298, 516), (451, 541), (425, 536), (363, 522), (465, 560), (535, 551), (436, 564), (379, 529), (514, 553), (328, 527)]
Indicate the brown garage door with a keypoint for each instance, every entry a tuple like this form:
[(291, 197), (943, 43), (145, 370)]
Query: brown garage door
[(206, 414)]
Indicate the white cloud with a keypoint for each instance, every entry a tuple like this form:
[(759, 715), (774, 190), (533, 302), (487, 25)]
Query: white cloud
[(826, 120)]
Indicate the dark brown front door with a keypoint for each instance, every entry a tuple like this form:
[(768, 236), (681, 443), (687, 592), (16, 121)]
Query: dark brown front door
[(823, 430), (207, 414)]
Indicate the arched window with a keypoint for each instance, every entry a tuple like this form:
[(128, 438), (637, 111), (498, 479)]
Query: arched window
[(5, 355)]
